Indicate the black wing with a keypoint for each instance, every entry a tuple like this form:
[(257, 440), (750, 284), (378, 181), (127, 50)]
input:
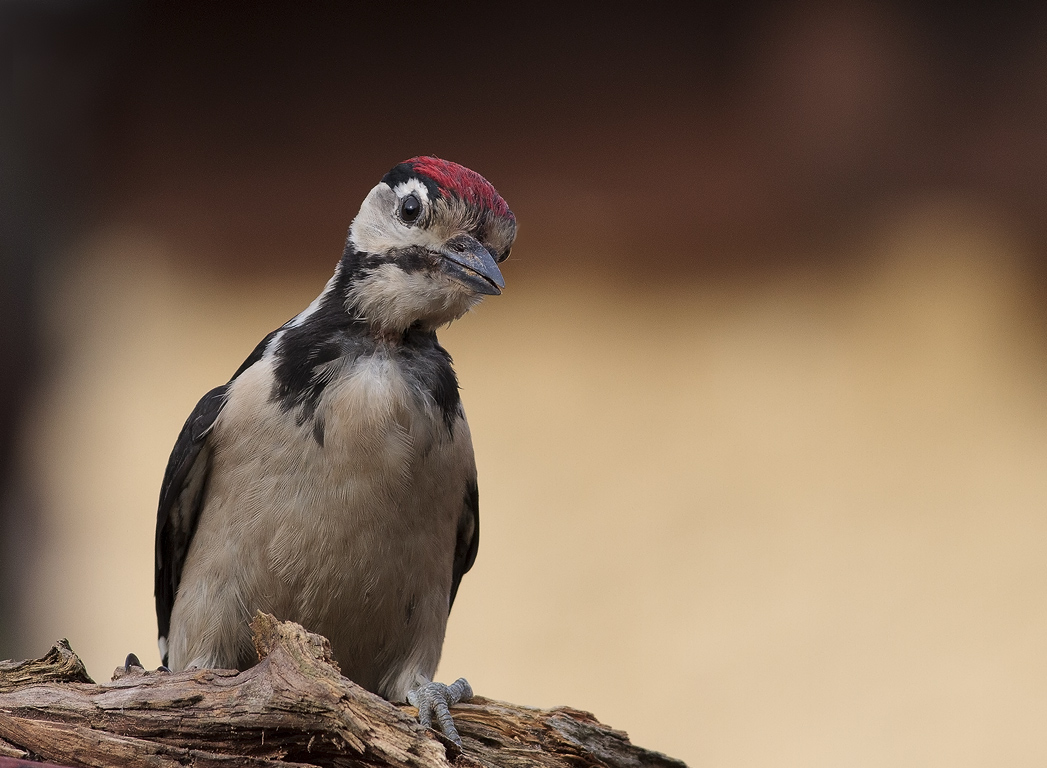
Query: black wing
[(181, 497), (468, 540), (182, 494)]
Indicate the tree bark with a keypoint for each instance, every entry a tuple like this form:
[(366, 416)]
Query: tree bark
[(293, 708)]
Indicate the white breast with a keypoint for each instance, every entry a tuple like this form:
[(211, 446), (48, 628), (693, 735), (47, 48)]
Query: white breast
[(353, 538)]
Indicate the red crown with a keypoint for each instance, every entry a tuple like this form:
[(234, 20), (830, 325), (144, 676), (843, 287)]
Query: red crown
[(459, 180)]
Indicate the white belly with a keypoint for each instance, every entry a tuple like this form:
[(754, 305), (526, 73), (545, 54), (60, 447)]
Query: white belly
[(354, 538)]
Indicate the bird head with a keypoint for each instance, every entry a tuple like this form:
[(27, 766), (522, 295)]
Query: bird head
[(426, 246)]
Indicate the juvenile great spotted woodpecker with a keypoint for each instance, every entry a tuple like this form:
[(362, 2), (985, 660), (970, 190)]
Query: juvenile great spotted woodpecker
[(331, 481)]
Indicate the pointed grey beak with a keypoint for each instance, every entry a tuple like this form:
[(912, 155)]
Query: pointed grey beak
[(468, 262)]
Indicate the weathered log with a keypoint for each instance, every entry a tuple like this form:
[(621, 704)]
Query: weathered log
[(293, 708)]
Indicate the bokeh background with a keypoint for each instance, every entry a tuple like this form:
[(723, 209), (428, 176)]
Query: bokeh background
[(761, 419)]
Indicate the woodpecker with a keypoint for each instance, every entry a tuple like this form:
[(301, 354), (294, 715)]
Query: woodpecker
[(331, 481)]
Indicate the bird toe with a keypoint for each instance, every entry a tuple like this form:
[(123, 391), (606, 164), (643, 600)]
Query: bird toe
[(434, 701)]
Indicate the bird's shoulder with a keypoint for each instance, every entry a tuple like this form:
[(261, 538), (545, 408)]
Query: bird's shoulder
[(311, 354), (430, 366)]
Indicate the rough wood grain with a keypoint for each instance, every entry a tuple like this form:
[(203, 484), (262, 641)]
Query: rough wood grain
[(292, 709), (60, 665)]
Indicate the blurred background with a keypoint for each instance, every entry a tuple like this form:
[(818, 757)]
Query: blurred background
[(760, 421)]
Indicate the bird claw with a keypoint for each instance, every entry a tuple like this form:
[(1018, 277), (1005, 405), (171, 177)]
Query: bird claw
[(434, 701), (132, 666)]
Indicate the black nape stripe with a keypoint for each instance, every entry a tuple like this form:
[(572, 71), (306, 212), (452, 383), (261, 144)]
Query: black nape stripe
[(307, 357), (299, 383), (305, 349), (431, 366), (255, 355)]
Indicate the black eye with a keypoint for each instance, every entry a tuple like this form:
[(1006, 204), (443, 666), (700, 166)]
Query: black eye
[(410, 207)]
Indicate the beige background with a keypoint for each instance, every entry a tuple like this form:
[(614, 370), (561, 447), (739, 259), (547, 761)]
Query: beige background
[(761, 419), (795, 519)]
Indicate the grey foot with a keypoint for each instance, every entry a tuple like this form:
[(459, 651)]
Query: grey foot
[(433, 701)]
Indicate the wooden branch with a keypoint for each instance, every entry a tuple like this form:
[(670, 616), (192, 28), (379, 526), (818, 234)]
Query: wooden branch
[(292, 709)]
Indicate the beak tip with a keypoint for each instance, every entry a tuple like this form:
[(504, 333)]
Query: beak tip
[(476, 265)]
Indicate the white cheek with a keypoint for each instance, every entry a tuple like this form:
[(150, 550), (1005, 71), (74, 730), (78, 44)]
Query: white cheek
[(394, 300), (376, 229)]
